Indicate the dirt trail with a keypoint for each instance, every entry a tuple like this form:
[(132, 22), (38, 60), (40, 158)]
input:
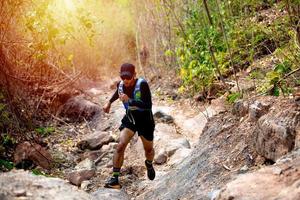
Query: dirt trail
[(187, 126)]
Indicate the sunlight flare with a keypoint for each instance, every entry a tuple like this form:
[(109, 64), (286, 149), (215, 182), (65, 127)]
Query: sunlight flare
[(69, 4)]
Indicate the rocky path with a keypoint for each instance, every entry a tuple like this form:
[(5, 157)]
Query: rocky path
[(82, 152), (195, 157)]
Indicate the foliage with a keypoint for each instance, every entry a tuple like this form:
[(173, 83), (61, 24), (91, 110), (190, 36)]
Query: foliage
[(6, 165), (38, 172), (238, 33), (274, 80), (45, 131), (53, 25), (193, 53), (233, 97), (7, 140)]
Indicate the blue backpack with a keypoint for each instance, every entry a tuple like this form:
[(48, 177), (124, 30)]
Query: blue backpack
[(136, 94)]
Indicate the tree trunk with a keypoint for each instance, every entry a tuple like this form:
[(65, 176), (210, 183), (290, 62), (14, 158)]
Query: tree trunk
[(211, 49)]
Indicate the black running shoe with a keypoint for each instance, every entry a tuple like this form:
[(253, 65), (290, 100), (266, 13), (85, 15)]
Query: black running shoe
[(150, 171), (113, 182)]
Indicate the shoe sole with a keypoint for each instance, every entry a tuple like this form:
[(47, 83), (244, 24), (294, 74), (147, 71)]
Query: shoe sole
[(113, 186)]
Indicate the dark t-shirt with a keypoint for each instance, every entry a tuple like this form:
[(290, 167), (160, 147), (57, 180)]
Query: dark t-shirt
[(144, 103), (136, 120)]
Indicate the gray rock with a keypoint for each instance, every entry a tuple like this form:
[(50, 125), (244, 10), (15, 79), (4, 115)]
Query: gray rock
[(258, 109), (77, 177), (240, 108), (275, 133), (163, 117), (37, 187), (95, 140), (265, 184), (86, 164), (110, 194), (161, 157)]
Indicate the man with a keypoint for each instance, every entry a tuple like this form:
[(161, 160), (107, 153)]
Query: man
[(136, 97)]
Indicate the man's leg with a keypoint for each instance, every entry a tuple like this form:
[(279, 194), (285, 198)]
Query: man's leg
[(148, 147), (125, 136), (149, 154)]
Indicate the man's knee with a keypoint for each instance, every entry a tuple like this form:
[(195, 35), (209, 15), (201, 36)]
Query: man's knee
[(149, 150)]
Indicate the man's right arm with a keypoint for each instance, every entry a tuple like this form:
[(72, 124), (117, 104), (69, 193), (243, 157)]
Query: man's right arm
[(114, 97)]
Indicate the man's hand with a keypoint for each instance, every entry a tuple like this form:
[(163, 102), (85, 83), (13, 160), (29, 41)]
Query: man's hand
[(106, 107), (124, 97)]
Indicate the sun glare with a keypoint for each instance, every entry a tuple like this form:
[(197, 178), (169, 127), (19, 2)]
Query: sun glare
[(69, 4)]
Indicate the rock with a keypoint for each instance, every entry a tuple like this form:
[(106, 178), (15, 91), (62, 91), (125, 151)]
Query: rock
[(33, 152), (179, 155), (265, 184), (19, 192), (83, 171), (240, 108), (95, 140), (258, 109), (163, 117), (182, 142), (20, 184), (161, 157), (86, 164), (175, 144), (276, 170), (214, 194), (110, 194), (92, 155), (244, 169), (77, 109), (275, 133), (85, 185), (77, 177)]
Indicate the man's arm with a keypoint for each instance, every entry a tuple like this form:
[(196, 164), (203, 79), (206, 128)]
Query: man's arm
[(115, 96)]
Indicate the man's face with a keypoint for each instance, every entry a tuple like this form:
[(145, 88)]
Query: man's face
[(128, 81)]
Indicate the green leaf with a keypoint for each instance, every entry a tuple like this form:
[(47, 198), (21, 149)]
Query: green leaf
[(37, 172), (45, 131), (6, 164), (276, 91), (231, 98), (2, 106), (169, 53)]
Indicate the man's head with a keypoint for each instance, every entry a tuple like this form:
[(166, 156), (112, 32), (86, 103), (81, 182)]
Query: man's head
[(127, 73)]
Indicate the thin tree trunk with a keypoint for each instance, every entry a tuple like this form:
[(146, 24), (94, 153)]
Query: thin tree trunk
[(227, 44), (138, 49), (211, 49), (207, 12)]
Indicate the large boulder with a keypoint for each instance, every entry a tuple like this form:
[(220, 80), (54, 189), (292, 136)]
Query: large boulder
[(280, 181), (77, 109), (276, 131), (95, 140), (33, 152), (20, 184)]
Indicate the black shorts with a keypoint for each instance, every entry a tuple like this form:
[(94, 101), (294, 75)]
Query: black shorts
[(142, 123)]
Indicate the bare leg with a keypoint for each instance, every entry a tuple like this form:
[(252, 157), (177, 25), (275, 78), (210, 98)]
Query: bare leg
[(149, 154), (148, 147), (125, 137)]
